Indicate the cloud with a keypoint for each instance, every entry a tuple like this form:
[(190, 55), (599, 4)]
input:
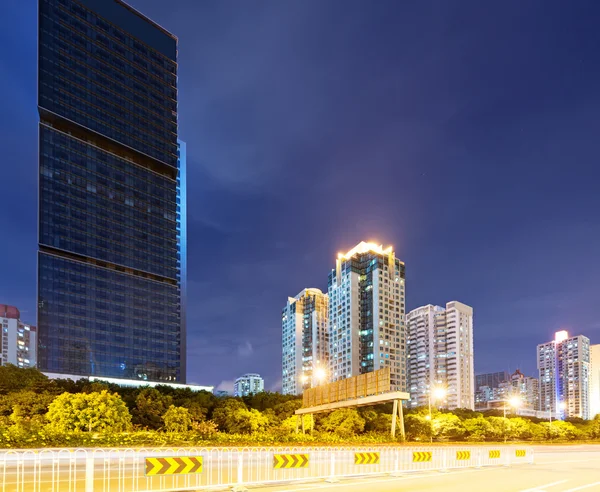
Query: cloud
[(245, 350), (277, 385), (225, 385)]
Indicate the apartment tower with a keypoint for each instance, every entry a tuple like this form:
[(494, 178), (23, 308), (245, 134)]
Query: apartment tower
[(440, 342), (564, 367), (17, 339), (366, 314), (111, 224), (304, 341)]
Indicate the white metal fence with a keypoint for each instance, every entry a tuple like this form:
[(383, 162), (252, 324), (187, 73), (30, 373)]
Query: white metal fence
[(124, 470)]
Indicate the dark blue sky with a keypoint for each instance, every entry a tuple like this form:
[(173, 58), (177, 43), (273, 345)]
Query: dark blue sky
[(464, 133)]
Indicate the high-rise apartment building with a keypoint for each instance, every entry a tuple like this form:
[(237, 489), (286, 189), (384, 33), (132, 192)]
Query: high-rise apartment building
[(18, 344), (564, 367), (440, 342), (594, 380), (111, 231), (304, 341), (248, 384), (366, 314)]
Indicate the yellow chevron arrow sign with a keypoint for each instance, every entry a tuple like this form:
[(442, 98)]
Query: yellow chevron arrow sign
[(421, 456), (463, 455), (494, 453), (174, 465), (366, 458), (520, 453), (290, 461)]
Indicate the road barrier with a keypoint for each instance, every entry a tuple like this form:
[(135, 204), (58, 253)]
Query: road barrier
[(179, 469), (181, 465)]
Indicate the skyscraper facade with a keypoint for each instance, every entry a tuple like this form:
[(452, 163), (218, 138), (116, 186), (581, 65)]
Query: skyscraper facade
[(17, 339), (440, 342), (366, 314), (248, 384), (564, 368), (110, 226), (305, 340)]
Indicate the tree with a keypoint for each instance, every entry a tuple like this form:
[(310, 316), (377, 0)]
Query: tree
[(418, 428), (447, 426), (13, 378), (498, 428), (558, 429), (224, 412), (519, 429), (233, 417), (177, 419), (478, 429), (150, 406), (88, 412), (344, 422)]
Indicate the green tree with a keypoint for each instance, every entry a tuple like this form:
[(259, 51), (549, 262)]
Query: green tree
[(289, 425), (447, 426), (558, 429), (344, 422), (593, 429), (13, 378), (498, 428), (88, 412), (150, 406), (478, 429), (177, 419), (418, 428), (287, 409), (519, 429), (223, 414)]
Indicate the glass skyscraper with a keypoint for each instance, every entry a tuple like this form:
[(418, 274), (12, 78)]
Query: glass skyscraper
[(111, 260)]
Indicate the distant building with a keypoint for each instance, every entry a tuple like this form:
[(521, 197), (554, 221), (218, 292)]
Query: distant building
[(441, 354), (305, 340), (564, 367), (595, 381), (525, 387), (366, 314), (248, 384), (491, 379), (18, 343)]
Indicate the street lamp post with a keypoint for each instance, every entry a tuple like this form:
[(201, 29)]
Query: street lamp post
[(514, 402), (438, 394)]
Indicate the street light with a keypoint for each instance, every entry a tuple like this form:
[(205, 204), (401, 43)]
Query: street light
[(563, 406), (320, 375), (514, 402), (438, 394)]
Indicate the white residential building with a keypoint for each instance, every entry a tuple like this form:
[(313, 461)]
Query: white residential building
[(440, 342), (18, 341), (564, 367), (366, 314), (305, 341), (595, 380), (248, 384)]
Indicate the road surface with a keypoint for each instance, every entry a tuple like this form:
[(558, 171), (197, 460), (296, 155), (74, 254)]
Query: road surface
[(563, 469)]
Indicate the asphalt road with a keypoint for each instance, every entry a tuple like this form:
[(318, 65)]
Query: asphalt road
[(564, 469)]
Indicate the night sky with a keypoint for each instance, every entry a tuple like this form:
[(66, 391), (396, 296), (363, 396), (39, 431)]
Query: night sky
[(464, 133)]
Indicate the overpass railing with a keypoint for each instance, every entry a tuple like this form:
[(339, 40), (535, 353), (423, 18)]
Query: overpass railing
[(178, 469)]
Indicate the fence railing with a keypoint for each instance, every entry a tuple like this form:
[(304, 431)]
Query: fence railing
[(178, 469)]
